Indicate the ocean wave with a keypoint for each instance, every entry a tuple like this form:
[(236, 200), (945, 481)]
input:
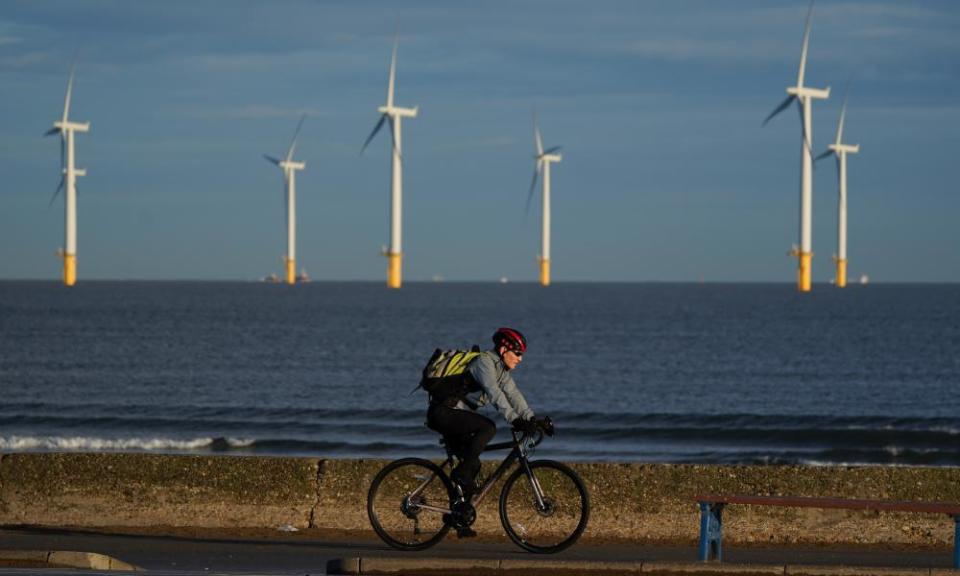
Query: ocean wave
[(94, 444), (104, 414)]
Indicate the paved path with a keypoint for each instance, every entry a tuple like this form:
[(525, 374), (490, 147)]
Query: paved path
[(300, 553)]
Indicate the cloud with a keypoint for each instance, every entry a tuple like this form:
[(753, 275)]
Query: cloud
[(5, 40), (22, 61), (481, 143), (255, 112), (250, 62), (691, 49)]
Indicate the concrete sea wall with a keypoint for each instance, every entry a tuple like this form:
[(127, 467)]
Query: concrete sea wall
[(647, 502)]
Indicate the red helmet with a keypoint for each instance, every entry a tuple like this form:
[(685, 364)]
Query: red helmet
[(510, 338)]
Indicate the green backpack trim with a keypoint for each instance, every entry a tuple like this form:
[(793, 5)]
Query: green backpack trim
[(445, 377)]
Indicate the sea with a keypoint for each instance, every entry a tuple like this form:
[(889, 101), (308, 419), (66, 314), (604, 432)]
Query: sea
[(629, 372)]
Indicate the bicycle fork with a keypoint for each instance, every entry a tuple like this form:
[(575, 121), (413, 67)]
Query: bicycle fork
[(534, 485)]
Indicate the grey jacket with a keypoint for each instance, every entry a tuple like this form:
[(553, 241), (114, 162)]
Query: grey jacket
[(496, 387)]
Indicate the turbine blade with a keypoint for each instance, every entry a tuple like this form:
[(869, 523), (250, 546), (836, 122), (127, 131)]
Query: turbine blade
[(806, 45), (537, 143), (51, 131), (533, 184), (56, 192), (823, 155), (293, 143), (393, 138), (393, 71), (66, 100), (376, 129), (552, 150), (839, 183), (272, 159), (780, 108), (843, 113), (803, 128)]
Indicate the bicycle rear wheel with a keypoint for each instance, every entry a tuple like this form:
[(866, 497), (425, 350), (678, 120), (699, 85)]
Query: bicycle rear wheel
[(552, 522), (406, 503)]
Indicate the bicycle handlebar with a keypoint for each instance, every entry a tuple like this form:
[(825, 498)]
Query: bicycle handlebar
[(537, 437)]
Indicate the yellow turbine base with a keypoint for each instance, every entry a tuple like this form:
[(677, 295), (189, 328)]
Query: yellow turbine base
[(393, 270), (69, 269), (544, 272), (803, 273), (841, 273), (291, 271)]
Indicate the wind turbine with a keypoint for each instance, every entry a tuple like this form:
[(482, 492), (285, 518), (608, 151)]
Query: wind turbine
[(542, 160), (804, 97), (840, 150), (68, 181), (393, 114), (290, 167)]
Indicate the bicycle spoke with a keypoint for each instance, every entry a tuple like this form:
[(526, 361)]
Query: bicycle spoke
[(548, 521), (406, 504)]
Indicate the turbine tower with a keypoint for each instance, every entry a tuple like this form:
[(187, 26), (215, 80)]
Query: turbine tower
[(68, 181), (542, 160), (804, 97), (394, 114), (290, 167), (840, 150)]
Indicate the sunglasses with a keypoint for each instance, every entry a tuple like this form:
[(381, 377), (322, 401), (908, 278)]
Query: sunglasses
[(517, 354)]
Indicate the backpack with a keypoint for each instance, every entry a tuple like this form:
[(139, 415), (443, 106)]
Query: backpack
[(445, 377)]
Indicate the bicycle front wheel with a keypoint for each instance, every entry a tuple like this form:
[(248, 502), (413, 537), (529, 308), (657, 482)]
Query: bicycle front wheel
[(407, 501), (547, 511)]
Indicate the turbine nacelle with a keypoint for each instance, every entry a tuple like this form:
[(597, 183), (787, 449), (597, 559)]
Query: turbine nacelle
[(397, 112), (61, 126), (813, 93), (550, 158), (845, 148), (290, 165)]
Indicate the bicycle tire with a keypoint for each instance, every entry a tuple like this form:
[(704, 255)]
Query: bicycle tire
[(395, 518), (553, 528)]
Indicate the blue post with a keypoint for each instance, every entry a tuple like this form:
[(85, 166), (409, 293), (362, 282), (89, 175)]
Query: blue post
[(711, 531), (956, 542)]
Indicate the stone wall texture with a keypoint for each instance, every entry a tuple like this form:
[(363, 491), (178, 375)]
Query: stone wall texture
[(652, 502)]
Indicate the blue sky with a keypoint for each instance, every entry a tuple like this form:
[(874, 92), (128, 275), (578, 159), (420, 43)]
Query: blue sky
[(667, 174)]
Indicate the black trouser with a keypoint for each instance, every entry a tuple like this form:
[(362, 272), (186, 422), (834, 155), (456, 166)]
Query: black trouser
[(470, 431)]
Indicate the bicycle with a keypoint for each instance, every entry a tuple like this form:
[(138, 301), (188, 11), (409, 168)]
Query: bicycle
[(412, 503)]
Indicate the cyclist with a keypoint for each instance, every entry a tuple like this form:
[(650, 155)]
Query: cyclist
[(490, 382)]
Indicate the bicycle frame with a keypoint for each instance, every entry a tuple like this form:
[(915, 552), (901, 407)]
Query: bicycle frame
[(518, 452)]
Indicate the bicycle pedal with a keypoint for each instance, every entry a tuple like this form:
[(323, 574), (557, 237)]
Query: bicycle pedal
[(466, 532)]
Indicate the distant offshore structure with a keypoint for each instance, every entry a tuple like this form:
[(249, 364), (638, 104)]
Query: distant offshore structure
[(541, 168), (301, 278), (840, 150), (392, 114), (68, 182), (290, 167), (804, 97)]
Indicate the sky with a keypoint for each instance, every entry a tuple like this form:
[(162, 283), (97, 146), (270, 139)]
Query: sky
[(667, 173)]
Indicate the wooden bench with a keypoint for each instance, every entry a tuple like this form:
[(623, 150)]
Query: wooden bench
[(711, 515)]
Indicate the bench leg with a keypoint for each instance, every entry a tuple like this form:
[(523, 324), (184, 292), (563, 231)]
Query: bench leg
[(956, 542), (711, 531)]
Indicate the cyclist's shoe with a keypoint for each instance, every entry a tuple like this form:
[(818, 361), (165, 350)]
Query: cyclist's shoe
[(463, 531), (467, 485), (468, 489)]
